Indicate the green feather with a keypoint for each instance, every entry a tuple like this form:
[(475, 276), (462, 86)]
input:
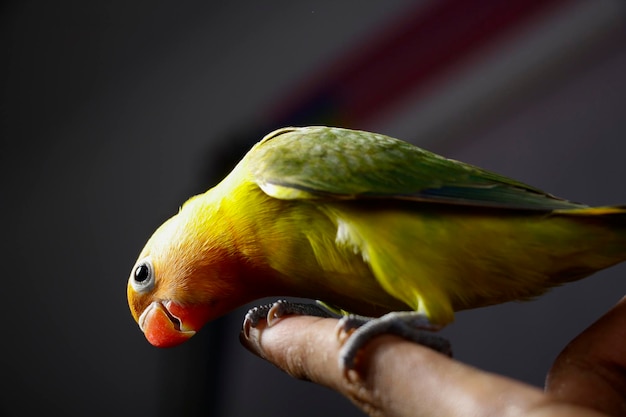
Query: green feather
[(324, 162)]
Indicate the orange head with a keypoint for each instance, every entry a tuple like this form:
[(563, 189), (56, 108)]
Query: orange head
[(187, 274)]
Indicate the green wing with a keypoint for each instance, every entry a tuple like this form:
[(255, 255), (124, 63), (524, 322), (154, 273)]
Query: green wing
[(324, 162)]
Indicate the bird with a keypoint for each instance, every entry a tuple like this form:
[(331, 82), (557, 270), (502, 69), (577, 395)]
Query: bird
[(390, 237)]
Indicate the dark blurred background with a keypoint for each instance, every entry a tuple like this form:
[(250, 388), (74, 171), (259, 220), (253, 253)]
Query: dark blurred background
[(113, 113)]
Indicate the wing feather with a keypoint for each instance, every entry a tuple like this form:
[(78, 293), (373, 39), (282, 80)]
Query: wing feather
[(334, 163)]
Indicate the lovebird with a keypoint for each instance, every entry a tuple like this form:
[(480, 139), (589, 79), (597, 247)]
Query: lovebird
[(369, 225)]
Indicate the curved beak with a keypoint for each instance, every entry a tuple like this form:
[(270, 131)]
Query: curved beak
[(161, 327)]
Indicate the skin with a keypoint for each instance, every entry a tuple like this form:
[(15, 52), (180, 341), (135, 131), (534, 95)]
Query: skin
[(587, 379)]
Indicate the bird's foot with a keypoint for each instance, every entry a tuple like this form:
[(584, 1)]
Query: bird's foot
[(354, 332), (281, 308)]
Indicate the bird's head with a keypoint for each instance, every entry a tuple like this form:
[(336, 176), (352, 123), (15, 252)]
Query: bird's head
[(183, 278)]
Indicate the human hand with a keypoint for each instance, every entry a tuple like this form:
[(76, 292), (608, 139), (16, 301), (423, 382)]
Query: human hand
[(399, 378)]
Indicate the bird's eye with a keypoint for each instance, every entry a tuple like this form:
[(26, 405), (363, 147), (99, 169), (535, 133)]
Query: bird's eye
[(142, 279), (142, 273)]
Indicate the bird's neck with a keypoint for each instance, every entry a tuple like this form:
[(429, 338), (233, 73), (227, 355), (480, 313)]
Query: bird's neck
[(234, 230)]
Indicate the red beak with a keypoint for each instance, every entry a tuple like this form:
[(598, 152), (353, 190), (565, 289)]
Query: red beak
[(166, 324)]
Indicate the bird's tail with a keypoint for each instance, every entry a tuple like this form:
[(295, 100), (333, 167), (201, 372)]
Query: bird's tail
[(601, 237), (607, 216)]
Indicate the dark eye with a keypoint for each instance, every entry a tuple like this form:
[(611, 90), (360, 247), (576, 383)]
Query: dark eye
[(142, 273), (142, 278)]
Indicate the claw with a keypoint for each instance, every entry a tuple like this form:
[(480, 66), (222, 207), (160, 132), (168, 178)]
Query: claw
[(348, 324), (247, 324), (276, 311), (360, 330), (254, 315), (273, 312)]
